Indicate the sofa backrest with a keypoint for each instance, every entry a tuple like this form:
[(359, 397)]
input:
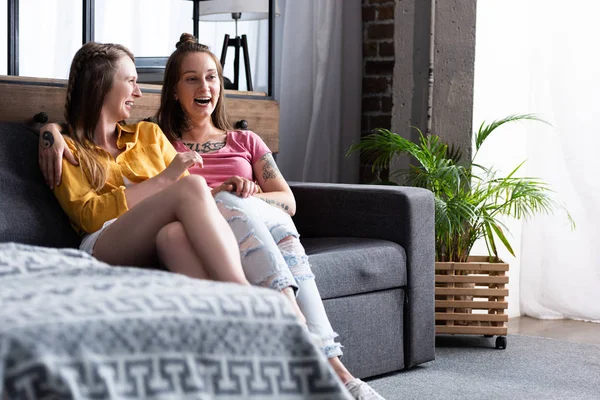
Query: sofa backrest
[(29, 212)]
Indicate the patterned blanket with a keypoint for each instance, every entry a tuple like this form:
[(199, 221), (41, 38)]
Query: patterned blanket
[(72, 327)]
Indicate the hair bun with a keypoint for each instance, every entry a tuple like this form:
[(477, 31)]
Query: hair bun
[(186, 38)]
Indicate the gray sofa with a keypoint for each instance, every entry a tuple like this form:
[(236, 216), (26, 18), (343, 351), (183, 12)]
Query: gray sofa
[(371, 248)]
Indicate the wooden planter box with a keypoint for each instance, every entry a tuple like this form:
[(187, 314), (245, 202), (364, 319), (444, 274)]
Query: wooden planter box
[(470, 298)]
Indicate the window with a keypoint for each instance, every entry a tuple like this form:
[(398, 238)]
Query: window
[(149, 28), (49, 35), (3, 43), (51, 31)]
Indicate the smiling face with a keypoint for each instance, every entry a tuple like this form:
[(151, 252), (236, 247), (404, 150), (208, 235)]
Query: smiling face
[(123, 92), (199, 85)]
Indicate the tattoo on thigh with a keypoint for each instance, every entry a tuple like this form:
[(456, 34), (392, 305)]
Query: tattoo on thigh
[(47, 139), (269, 169)]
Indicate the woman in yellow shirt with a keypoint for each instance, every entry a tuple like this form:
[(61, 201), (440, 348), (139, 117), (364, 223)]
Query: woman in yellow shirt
[(127, 193)]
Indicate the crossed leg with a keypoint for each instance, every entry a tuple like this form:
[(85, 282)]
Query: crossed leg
[(184, 215)]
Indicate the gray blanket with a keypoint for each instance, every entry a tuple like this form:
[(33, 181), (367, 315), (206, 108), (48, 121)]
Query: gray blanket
[(73, 327)]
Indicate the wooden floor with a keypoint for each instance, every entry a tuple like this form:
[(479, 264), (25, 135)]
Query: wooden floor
[(564, 329)]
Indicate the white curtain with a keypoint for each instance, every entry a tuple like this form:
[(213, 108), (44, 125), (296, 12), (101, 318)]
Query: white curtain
[(561, 268), (541, 56), (318, 85)]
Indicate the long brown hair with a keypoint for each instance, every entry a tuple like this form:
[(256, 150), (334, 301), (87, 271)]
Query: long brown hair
[(90, 78), (170, 116)]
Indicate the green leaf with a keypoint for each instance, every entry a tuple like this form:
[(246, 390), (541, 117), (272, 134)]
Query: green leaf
[(486, 130), (500, 234), (471, 200)]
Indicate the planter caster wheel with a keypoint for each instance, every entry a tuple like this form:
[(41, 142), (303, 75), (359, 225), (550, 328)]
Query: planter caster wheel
[(501, 342)]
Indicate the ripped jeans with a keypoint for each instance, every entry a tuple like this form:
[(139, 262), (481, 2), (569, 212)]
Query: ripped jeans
[(273, 257)]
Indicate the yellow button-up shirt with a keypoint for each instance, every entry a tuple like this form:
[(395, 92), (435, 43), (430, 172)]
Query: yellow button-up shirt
[(147, 152)]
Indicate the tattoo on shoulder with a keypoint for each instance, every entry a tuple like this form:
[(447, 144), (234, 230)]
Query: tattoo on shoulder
[(47, 139), (269, 169)]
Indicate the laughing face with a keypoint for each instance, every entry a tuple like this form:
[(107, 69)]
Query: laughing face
[(123, 92), (199, 86)]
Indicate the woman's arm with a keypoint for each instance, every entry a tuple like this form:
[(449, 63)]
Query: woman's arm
[(275, 189), (176, 169), (51, 149)]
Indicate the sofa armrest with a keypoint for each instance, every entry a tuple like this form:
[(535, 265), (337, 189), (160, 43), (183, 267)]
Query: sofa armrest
[(404, 215)]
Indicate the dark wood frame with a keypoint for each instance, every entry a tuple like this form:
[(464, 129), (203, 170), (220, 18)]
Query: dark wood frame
[(23, 99)]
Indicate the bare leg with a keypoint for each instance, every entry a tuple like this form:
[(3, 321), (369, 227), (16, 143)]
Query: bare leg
[(131, 239), (340, 369), (177, 253)]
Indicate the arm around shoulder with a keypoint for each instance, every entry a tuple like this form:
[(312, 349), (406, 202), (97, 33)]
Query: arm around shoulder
[(52, 148)]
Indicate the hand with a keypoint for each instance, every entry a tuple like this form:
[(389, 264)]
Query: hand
[(242, 187), (51, 150), (181, 163)]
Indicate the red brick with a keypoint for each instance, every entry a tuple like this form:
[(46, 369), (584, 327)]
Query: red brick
[(364, 126), (380, 121), (366, 174), (370, 49), (386, 49), (380, 31), (374, 85), (386, 104), (385, 13), (371, 104), (368, 14), (379, 67)]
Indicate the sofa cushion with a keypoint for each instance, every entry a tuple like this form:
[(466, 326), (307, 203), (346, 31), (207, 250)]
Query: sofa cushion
[(346, 266), (29, 212)]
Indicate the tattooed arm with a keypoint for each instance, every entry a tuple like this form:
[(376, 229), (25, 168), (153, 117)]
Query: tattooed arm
[(275, 189), (52, 149)]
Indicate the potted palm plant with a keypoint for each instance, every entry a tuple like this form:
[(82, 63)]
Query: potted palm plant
[(471, 202)]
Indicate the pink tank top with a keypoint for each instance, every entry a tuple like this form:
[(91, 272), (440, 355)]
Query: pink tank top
[(241, 151)]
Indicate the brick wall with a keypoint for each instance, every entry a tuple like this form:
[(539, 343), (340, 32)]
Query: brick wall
[(378, 67)]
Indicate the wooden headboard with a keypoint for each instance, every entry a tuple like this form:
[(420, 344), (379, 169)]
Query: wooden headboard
[(21, 98)]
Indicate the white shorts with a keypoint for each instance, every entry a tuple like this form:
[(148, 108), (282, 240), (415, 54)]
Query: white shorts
[(89, 241)]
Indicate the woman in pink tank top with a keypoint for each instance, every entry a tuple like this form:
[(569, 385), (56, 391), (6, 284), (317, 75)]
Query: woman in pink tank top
[(242, 173)]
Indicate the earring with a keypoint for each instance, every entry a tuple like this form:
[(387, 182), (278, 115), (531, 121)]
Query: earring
[(176, 98)]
